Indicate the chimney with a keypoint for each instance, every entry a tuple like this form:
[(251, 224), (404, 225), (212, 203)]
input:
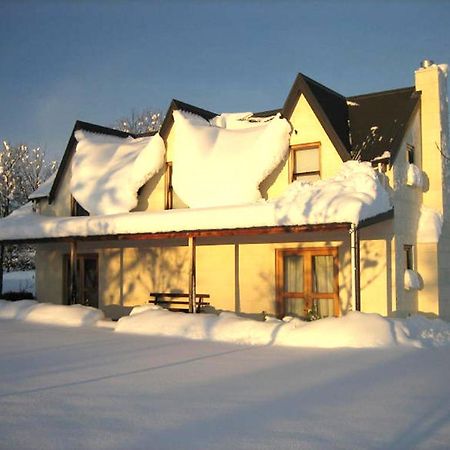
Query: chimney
[(431, 81)]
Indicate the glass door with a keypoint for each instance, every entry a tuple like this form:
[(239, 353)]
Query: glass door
[(307, 282)]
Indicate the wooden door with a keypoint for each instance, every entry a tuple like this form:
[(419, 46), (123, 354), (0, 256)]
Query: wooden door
[(307, 282)]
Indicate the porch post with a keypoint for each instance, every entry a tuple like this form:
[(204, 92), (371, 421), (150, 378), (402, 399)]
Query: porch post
[(2, 253), (355, 262), (192, 279), (73, 275)]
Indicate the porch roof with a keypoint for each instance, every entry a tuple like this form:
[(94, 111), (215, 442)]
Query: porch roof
[(25, 226)]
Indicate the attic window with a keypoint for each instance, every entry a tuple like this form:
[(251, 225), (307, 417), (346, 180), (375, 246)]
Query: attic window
[(305, 162), (410, 150), (168, 204)]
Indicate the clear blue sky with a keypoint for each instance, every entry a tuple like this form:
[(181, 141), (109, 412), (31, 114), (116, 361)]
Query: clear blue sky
[(98, 60)]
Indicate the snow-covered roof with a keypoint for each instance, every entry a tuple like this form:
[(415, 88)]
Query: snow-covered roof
[(353, 195), (107, 171), (224, 164), (44, 189)]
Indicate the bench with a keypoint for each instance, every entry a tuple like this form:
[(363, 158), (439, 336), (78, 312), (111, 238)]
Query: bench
[(173, 301)]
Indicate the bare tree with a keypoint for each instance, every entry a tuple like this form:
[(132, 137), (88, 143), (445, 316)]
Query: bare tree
[(22, 171), (138, 123)]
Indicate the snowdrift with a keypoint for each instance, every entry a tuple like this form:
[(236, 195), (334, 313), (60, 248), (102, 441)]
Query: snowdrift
[(50, 314), (357, 330)]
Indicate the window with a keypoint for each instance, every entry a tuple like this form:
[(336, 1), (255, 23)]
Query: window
[(410, 150), (305, 162), (77, 209), (307, 282), (168, 186), (409, 257)]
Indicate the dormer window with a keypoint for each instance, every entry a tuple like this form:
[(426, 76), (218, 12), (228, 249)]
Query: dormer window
[(305, 162), (77, 209), (410, 150)]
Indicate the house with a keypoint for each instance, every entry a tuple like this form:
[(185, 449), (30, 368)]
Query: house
[(324, 205)]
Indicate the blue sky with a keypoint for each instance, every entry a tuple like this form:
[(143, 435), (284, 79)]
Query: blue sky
[(98, 60)]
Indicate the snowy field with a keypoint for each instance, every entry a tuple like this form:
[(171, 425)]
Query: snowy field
[(93, 388), (19, 281)]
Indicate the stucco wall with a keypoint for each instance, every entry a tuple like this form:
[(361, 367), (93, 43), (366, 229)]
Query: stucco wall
[(49, 272)]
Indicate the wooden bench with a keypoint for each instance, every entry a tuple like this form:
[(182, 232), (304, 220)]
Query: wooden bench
[(173, 301)]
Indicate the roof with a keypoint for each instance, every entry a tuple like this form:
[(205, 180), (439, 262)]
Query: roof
[(70, 148), (378, 121), (330, 108), (363, 126), (176, 105)]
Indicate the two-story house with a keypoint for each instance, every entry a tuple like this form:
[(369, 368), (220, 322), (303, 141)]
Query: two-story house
[(327, 204)]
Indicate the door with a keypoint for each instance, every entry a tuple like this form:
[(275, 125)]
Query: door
[(307, 282), (87, 280)]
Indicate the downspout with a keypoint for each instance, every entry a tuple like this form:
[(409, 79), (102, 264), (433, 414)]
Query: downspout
[(355, 263), (73, 283)]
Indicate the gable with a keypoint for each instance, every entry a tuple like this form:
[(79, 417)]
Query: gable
[(329, 107)]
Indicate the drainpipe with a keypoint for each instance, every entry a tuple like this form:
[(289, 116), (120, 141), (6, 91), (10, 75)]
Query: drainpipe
[(73, 273), (355, 262)]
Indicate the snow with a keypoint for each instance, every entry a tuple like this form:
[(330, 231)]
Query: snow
[(234, 121), (14, 310), (20, 281), (355, 330), (430, 225), (411, 280), (215, 166), (414, 176), (385, 155), (50, 314), (355, 194), (107, 171), (44, 189), (95, 389)]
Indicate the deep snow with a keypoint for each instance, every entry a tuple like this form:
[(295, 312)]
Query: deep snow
[(92, 389)]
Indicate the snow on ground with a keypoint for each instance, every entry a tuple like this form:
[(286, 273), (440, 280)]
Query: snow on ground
[(47, 313), (95, 389), (107, 171), (354, 194), (353, 330), (20, 281)]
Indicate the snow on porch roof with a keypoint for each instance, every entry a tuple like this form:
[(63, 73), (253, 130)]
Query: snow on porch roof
[(355, 195)]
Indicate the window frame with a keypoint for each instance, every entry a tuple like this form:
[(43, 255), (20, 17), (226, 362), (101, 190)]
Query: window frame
[(410, 260), (410, 153), (296, 148), (308, 294)]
